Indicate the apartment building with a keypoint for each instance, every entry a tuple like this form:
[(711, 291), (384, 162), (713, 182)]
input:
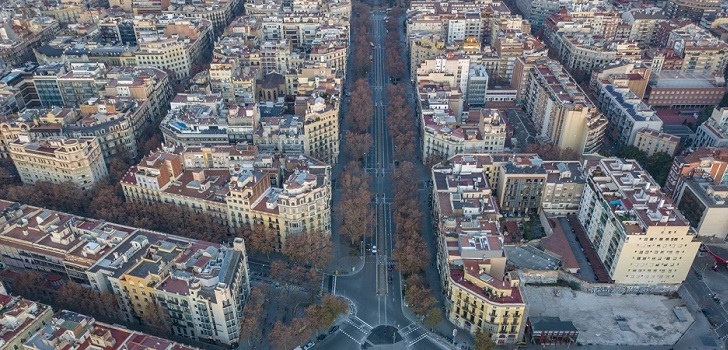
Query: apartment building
[(520, 187), (321, 128), (705, 162), (477, 86), (626, 113), (480, 294), (102, 255), (183, 42), (698, 49), (302, 204), (638, 233), (561, 111), (714, 132), (537, 11), (586, 39), (237, 85), (23, 34), (691, 9), (20, 320), (58, 160), (424, 48), (194, 125), (452, 69), (237, 186), (635, 76), (448, 131), (703, 203), (67, 328), (115, 122), (564, 185), (652, 141), (642, 25)]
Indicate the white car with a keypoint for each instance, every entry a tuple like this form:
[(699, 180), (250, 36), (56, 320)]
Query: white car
[(309, 345), (374, 249)]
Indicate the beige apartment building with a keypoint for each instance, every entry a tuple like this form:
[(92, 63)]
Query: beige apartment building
[(302, 204), (58, 160), (480, 294), (638, 233), (321, 129), (563, 114), (237, 186), (652, 141)]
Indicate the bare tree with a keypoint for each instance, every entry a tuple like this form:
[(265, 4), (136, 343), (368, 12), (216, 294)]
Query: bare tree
[(357, 144)]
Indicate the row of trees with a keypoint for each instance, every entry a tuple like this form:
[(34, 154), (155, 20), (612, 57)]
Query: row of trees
[(551, 152), (395, 65), (316, 319), (358, 140), (70, 296), (401, 122), (354, 209), (410, 249), (361, 25)]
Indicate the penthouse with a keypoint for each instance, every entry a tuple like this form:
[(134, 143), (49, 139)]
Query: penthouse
[(480, 295), (84, 332), (58, 160), (626, 112), (103, 255), (638, 233), (561, 111)]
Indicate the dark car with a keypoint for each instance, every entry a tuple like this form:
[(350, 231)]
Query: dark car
[(321, 337), (333, 329), (390, 267)]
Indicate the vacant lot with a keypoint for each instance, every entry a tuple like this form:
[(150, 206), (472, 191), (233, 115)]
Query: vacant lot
[(643, 319)]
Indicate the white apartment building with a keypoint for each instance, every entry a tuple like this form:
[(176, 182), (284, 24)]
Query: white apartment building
[(626, 112), (58, 160), (638, 233), (714, 132)]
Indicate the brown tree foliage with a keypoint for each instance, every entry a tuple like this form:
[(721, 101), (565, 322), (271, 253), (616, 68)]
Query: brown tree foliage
[(102, 306), (361, 108), (357, 144), (255, 308), (309, 247), (320, 317), (354, 211), (550, 152), (284, 336), (419, 297), (260, 238), (155, 320)]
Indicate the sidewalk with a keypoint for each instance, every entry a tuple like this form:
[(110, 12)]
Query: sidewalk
[(443, 329)]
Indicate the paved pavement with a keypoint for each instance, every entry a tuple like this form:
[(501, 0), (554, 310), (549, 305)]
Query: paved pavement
[(523, 131), (585, 268), (377, 301)]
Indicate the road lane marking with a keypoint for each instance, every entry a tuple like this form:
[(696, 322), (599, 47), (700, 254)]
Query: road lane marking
[(350, 337), (417, 340)]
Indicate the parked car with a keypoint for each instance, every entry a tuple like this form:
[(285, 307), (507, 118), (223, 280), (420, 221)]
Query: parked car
[(333, 329), (374, 249), (309, 345), (321, 337)]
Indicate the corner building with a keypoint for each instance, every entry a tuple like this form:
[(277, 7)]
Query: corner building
[(638, 233)]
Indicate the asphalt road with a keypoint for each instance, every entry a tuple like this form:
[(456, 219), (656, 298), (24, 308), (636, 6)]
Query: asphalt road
[(702, 293), (378, 302)]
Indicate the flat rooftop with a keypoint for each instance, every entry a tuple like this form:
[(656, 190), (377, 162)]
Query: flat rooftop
[(612, 320)]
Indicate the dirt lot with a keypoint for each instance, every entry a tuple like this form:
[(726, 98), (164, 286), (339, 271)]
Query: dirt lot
[(643, 319)]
